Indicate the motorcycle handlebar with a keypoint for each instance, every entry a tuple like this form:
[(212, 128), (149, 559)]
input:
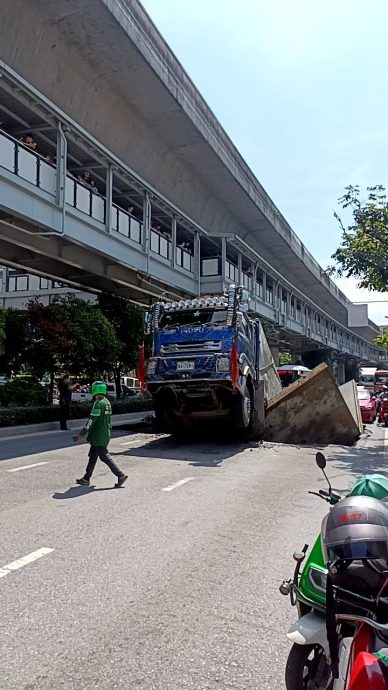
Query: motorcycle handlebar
[(370, 604), (323, 493)]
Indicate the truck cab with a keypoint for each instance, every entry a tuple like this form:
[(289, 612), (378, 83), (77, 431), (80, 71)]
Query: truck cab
[(206, 363)]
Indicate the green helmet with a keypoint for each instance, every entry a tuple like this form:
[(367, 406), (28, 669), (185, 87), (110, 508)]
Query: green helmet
[(99, 388), (374, 485)]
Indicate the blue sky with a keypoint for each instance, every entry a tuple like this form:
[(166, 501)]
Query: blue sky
[(300, 86)]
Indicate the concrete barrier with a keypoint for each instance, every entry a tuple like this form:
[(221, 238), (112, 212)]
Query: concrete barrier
[(314, 411), (349, 393)]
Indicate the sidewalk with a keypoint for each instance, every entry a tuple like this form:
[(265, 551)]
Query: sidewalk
[(117, 420)]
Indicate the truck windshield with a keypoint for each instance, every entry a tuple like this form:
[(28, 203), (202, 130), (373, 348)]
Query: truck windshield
[(193, 317)]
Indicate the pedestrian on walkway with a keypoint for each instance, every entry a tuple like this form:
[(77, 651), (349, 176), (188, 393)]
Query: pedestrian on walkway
[(98, 430), (65, 389)]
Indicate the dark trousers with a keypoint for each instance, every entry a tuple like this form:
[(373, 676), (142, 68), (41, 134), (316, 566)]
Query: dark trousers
[(64, 414), (101, 452)]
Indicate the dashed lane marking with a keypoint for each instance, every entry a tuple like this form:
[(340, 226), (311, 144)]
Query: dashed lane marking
[(175, 486), (27, 467), (25, 560)]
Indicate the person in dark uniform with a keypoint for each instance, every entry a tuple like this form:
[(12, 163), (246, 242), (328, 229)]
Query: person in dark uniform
[(65, 389)]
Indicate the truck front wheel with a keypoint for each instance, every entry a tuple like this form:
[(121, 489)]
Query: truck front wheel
[(246, 415), (242, 412)]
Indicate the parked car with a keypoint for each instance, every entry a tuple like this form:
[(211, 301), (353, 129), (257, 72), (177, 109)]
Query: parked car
[(85, 394), (368, 405)]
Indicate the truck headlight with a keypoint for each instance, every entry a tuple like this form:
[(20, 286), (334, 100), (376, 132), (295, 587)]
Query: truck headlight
[(151, 367), (223, 364)]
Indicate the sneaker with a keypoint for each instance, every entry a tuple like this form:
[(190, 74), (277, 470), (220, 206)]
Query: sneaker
[(83, 481), (123, 478)]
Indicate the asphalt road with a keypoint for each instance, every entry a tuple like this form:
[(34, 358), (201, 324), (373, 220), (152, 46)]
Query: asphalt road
[(143, 588)]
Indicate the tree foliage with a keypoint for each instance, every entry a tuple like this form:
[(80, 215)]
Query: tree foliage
[(127, 320), (16, 339), (363, 253), (2, 331), (284, 358), (382, 340), (70, 333)]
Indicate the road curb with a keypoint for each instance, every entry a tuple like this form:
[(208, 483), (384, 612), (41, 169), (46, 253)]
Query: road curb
[(117, 420)]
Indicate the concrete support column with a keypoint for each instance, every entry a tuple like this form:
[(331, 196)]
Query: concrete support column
[(340, 372), (61, 166), (275, 353), (108, 200)]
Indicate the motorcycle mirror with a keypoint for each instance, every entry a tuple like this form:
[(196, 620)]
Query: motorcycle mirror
[(320, 460)]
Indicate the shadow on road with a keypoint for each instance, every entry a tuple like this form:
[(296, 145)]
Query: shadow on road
[(77, 491), (367, 457), (197, 454)]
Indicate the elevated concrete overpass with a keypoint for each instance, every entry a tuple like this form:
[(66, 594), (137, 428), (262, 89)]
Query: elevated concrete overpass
[(96, 84)]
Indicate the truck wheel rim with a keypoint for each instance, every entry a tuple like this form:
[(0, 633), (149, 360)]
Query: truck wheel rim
[(247, 410)]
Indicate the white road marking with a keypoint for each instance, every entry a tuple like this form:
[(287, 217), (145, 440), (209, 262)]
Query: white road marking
[(27, 467), (385, 438), (129, 443), (33, 434), (175, 486), (25, 560)]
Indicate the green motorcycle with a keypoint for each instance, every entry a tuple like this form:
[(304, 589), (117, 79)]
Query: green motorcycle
[(308, 665)]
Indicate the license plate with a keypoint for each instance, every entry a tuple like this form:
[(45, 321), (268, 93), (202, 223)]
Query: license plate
[(185, 366)]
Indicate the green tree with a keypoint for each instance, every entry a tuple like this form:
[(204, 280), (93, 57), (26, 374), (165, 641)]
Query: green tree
[(382, 340), (2, 331), (15, 343), (363, 253), (127, 320), (72, 334), (284, 358)]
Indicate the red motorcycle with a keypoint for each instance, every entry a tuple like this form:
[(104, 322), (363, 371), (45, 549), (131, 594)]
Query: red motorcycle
[(383, 411), (367, 669)]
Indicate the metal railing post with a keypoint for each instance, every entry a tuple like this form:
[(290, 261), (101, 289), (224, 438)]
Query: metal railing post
[(147, 228), (173, 241), (108, 198), (61, 166)]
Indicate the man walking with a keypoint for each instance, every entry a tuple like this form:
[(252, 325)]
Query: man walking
[(98, 430), (65, 390)]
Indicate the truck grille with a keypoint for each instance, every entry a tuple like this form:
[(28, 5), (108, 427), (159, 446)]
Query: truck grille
[(190, 348)]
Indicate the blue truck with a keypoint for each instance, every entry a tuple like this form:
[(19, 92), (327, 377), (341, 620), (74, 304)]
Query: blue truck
[(210, 361)]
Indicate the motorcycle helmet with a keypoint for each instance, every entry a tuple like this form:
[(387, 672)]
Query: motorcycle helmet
[(373, 485), (99, 388), (356, 529)]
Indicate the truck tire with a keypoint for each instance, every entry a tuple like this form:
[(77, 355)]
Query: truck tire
[(161, 421), (242, 409), (248, 415)]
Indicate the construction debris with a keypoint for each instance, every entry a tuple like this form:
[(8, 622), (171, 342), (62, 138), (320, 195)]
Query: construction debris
[(315, 411)]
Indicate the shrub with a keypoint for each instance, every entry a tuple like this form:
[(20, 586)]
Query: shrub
[(14, 416), (21, 393)]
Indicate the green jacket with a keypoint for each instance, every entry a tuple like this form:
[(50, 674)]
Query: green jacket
[(98, 428)]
